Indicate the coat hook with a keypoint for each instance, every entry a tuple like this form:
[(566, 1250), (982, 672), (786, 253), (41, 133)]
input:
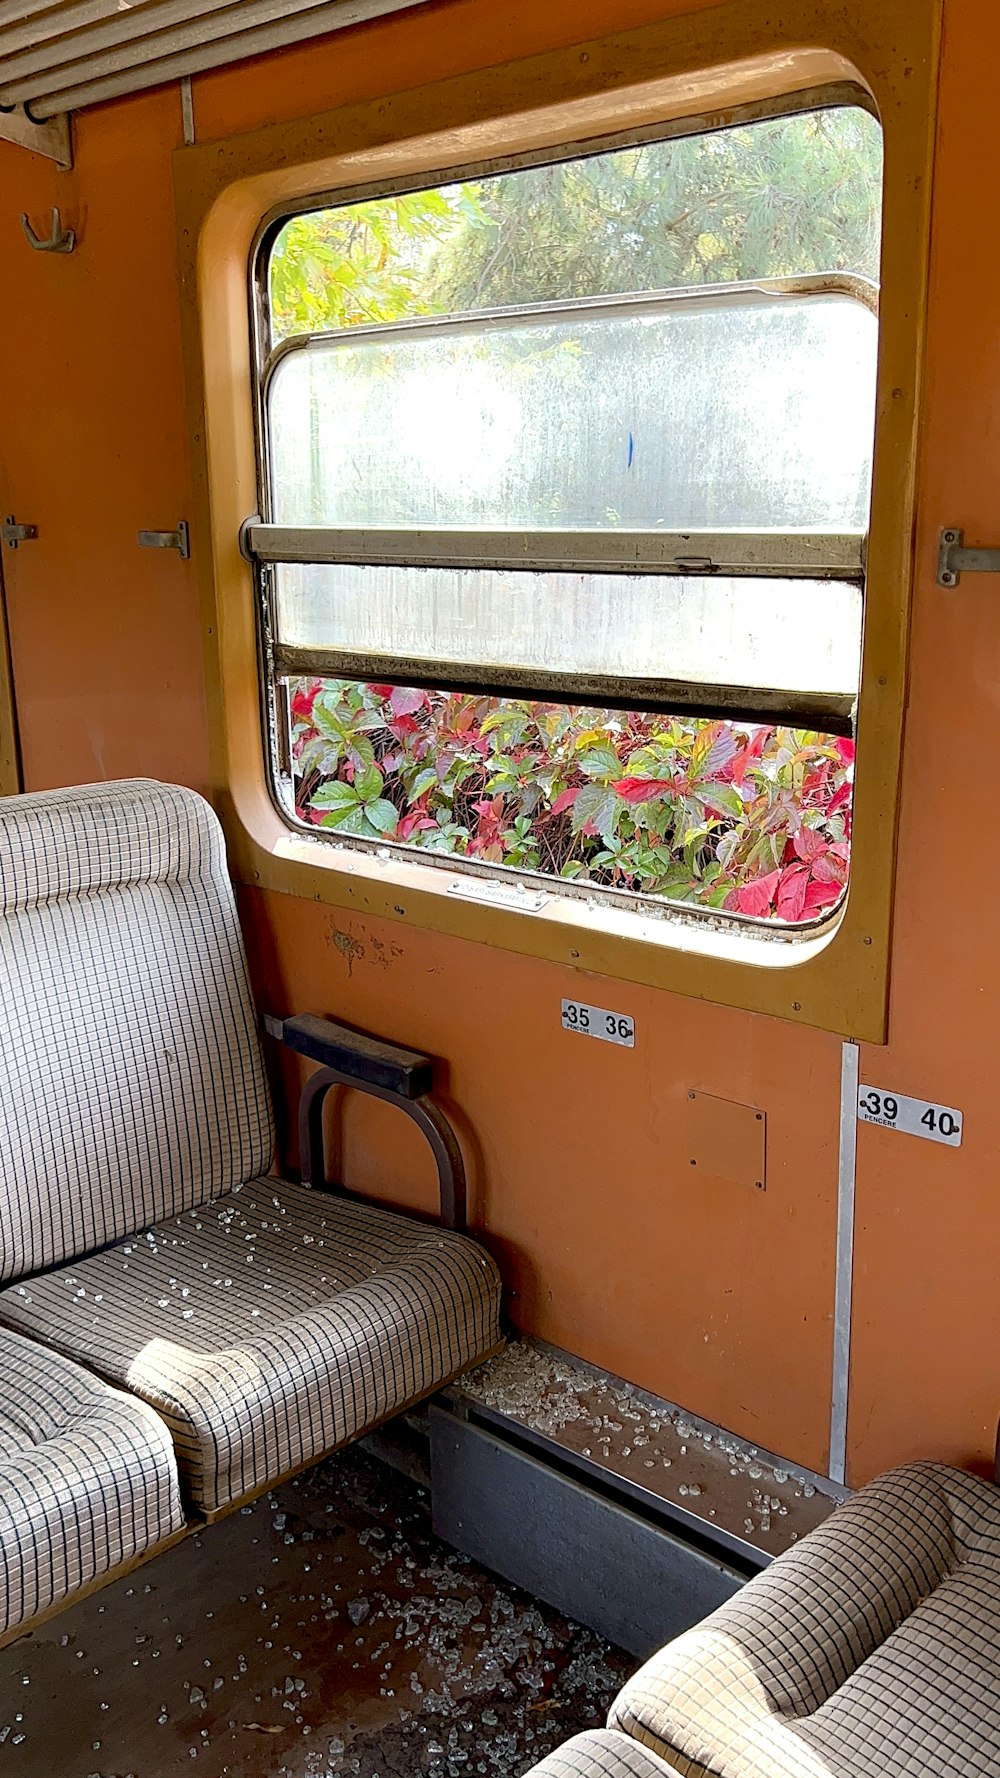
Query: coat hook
[(61, 240)]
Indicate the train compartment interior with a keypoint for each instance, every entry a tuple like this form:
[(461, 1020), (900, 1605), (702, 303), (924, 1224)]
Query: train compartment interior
[(497, 630)]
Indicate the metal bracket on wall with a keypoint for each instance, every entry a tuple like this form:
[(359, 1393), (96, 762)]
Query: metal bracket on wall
[(11, 533), (180, 540), (954, 559), (51, 138)]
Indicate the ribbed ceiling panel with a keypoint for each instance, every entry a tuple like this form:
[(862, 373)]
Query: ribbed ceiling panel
[(63, 56)]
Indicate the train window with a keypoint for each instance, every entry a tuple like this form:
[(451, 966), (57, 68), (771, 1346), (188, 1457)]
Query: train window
[(565, 481)]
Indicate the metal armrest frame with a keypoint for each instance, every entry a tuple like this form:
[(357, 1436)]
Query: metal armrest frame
[(385, 1071)]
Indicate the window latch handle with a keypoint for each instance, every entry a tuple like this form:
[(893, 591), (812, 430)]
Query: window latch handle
[(954, 559), (12, 533), (180, 540)]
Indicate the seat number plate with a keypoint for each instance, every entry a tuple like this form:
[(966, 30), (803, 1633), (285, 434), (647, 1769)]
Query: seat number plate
[(597, 1021), (915, 1117)]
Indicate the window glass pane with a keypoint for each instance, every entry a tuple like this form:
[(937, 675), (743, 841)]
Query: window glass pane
[(793, 635), (741, 410), (645, 381), (769, 199), (714, 815)]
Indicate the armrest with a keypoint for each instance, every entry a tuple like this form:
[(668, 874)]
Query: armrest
[(386, 1071), (367, 1060)]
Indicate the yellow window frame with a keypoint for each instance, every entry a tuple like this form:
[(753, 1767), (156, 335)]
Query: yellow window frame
[(709, 64)]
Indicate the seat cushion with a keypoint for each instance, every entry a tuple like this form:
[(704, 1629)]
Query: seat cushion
[(601, 1753), (131, 1082), (872, 1648), (271, 1326), (87, 1480)]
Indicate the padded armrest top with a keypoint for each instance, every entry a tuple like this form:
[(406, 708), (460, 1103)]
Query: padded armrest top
[(368, 1060)]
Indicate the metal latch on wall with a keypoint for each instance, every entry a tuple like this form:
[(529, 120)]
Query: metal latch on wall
[(954, 559), (11, 533), (180, 540)]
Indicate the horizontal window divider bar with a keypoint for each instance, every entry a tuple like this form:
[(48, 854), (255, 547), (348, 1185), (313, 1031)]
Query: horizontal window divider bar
[(831, 713), (785, 555), (694, 297)]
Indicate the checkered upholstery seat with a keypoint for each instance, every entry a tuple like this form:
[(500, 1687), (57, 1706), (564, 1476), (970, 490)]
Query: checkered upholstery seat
[(603, 1753), (138, 1231), (87, 1481), (270, 1326), (871, 1649)]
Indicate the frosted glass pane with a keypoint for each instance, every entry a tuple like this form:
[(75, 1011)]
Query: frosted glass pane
[(787, 635), (748, 411)]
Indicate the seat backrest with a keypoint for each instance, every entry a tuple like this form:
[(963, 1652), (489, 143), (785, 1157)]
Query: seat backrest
[(131, 1082)]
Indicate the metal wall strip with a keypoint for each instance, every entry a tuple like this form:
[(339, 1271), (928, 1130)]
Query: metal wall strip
[(844, 1297), (10, 750), (791, 555)]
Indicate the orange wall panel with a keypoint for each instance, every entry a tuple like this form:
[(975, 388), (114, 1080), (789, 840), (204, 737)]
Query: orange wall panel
[(448, 37), (717, 1297), (927, 1321), (105, 636)]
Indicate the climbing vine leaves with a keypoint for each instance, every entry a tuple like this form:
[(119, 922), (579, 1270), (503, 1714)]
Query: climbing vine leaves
[(752, 820)]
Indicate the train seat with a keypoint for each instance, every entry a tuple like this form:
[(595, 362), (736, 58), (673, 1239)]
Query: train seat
[(88, 1482), (603, 1753), (267, 1322), (269, 1326), (871, 1647)]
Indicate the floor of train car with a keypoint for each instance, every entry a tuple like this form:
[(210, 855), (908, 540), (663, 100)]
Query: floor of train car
[(323, 1631)]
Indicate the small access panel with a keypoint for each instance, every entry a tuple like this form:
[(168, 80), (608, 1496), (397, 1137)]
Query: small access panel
[(726, 1140)]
